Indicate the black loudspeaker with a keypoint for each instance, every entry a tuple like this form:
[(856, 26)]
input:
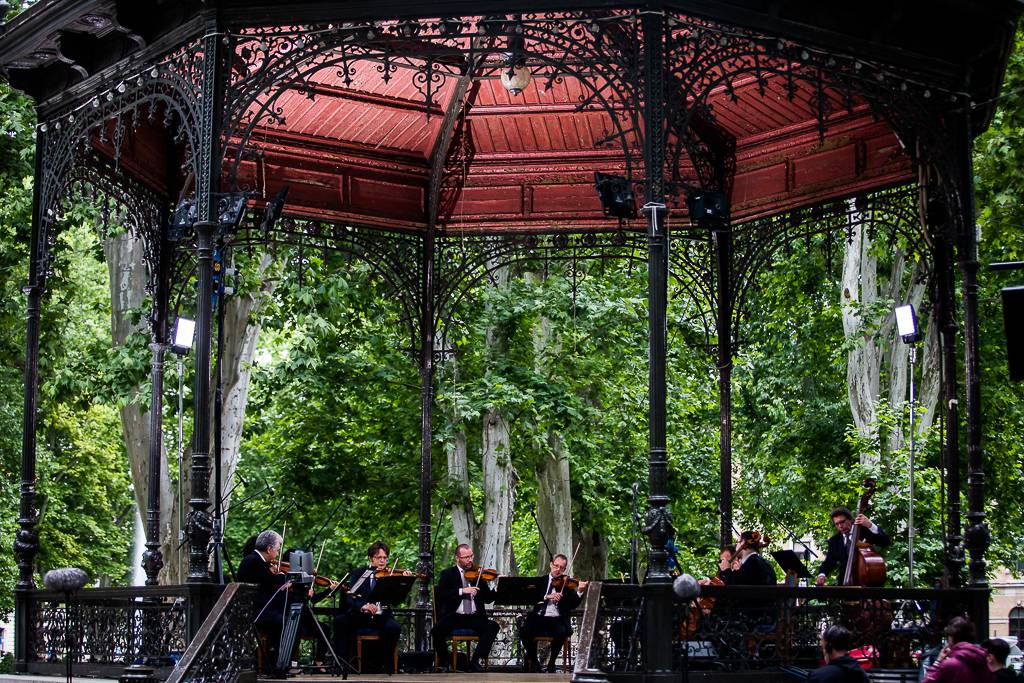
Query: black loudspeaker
[(1013, 319)]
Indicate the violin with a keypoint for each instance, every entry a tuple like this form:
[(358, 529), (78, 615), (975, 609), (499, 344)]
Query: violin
[(563, 583), (398, 571), (283, 567), (475, 574)]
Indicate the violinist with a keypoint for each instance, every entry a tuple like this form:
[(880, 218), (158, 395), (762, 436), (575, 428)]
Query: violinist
[(269, 603), (838, 544), (362, 616), (461, 600), (748, 567), (550, 617)]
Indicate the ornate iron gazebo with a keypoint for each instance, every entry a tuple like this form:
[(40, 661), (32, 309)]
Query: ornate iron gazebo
[(436, 144)]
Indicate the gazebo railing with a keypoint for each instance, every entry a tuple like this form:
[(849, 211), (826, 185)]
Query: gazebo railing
[(751, 628), (106, 630), (225, 647)]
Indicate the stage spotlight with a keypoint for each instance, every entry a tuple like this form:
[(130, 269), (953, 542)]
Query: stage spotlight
[(184, 335), (182, 220), (616, 195), (706, 206), (906, 324), (273, 211), (230, 210)]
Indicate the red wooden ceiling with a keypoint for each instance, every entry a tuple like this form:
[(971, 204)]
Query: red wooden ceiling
[(360, 151)]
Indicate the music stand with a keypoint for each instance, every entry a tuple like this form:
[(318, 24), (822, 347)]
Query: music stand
[(791, 564), (520, 590), (391, 590)]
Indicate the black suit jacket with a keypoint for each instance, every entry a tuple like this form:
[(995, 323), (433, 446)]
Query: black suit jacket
[(836, 554), (447, 595), (570, 599), (357, 597), (254, 569), (755, 571)]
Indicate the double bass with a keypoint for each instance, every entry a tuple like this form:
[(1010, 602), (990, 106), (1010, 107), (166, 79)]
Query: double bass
[(864, 566)]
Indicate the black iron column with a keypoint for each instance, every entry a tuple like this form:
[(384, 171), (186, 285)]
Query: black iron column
[(26, 539), (721, 236), (976, 535), (426, 564), (152, 559), (945, 305), (657, 590), (199, 525)]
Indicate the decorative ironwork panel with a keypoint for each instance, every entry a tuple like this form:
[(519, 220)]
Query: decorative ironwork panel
[(168, 90), (226, 644), (705, 57), (462, 263), (750, 628), (108, 627), (599, 49), (891, 216), (393, 256)]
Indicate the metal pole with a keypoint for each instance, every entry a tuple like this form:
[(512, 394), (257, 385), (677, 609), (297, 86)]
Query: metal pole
[(910, 516), (181, 465)]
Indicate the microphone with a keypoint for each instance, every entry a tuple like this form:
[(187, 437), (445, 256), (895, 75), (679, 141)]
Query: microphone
[(67, 579), (686, 587), (241, 479)]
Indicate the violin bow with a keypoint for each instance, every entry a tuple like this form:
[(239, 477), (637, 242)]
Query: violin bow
[(316, 569), (569, 568)]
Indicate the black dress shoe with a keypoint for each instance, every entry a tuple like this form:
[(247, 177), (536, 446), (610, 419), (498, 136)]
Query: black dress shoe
[(475, 667)]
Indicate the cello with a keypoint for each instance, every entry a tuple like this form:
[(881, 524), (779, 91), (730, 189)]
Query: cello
[(864, 566)]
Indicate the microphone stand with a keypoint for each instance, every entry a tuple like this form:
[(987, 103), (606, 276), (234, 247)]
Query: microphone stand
[(632, 539), (551, 556), (789, 532), (311, 543)]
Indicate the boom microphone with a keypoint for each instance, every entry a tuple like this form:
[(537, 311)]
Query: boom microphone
[(67, 579)]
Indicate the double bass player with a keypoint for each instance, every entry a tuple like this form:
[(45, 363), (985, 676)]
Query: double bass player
[(839, 544)]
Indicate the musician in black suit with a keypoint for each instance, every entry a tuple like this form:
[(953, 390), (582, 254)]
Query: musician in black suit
[(462, 604), (838, 545), (364, 617), (271, 590), (550, 616), (748, 567)]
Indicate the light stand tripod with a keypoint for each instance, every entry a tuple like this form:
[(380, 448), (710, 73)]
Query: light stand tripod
[(181, 344), (906, 326)]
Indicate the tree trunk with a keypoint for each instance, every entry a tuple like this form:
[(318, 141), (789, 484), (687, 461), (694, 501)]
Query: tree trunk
[(554, 495), (127, 269), (860, 290), (878, 347), (461, 507), (241, 334), (498, 473), (499, 495), (554, 503)]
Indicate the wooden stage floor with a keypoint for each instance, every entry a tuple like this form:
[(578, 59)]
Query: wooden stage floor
[(461, 677), (497, 677)]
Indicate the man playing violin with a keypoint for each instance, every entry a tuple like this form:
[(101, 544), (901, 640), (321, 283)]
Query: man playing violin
[(550, 617), (838, 545), (461, 600), (364, 617), (269, 603)]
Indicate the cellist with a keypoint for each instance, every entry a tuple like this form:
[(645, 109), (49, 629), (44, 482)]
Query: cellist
[(839, 544)]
